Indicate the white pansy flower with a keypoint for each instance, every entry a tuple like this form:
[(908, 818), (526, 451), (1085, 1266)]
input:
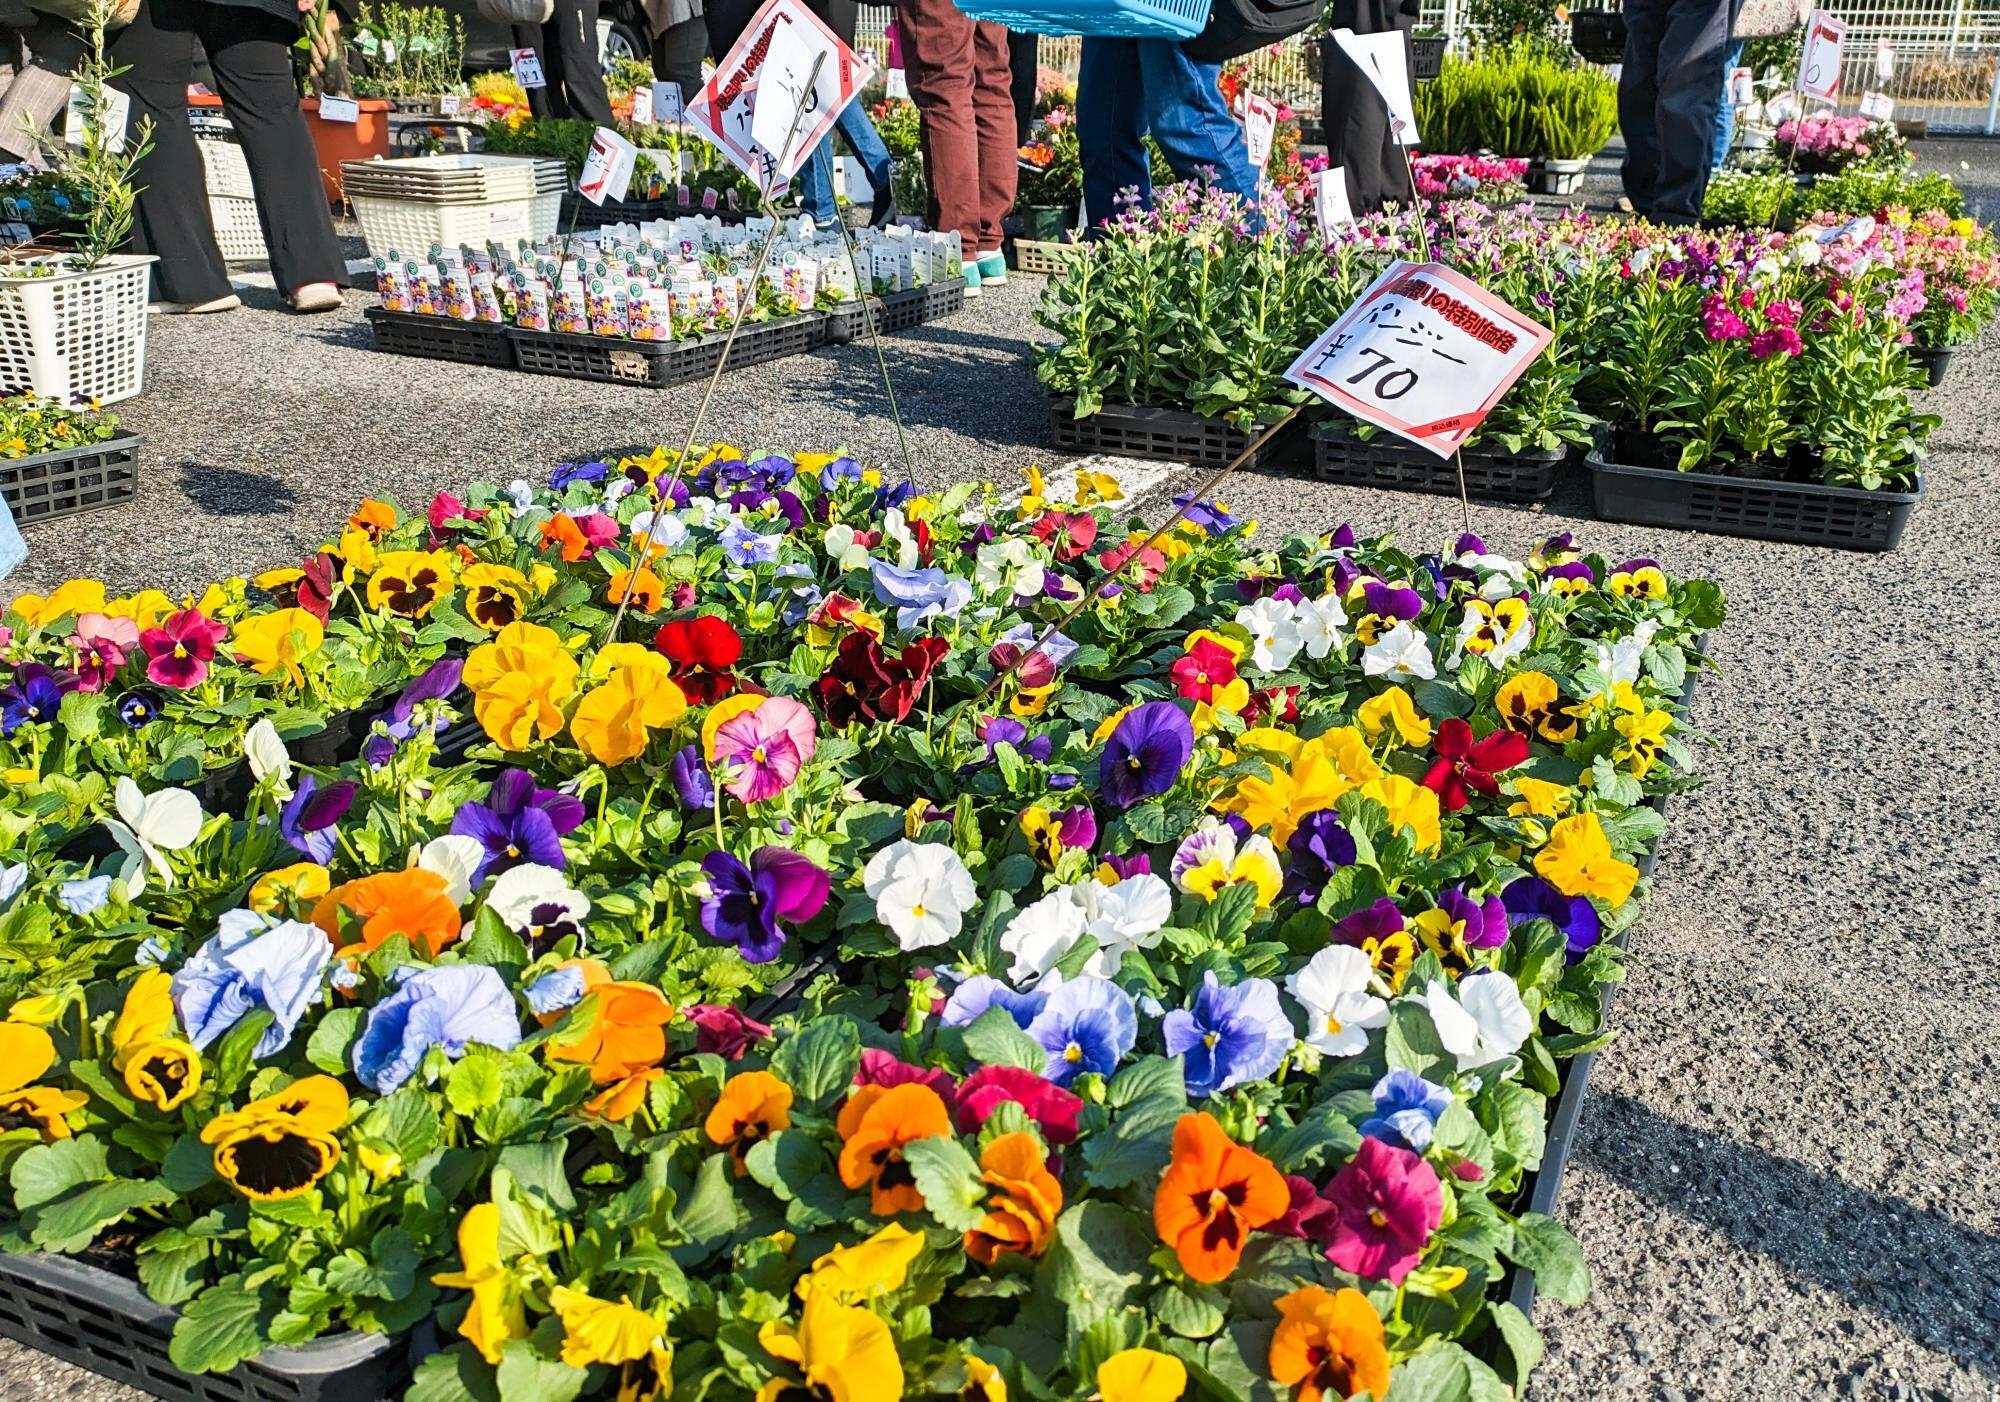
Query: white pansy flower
[(1009, 565), (1040, 935), (535, 902), (1275, 636), (268, 757), (147, 827), (921, 892), (1333, 989), (455, 857), (1400, 653), (1485, 1023), (1319, 622), (844, 549)]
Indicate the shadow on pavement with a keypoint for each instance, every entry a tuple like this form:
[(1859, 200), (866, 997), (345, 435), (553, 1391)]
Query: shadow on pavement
[(231, 491), (1930, 1276)]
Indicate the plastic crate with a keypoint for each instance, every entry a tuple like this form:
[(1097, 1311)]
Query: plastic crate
[(1144, 19), (658, 363), (50, 486), (96, 1320), (1169, 435), (441, 338), (239, 234), (1427, 56), (1040, 256), (410, 227), (1804, 513), (77, 335), (902, 310), (1388, 461)]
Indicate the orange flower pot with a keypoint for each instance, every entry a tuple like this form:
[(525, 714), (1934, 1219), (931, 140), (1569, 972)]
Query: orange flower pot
[(347, 141)]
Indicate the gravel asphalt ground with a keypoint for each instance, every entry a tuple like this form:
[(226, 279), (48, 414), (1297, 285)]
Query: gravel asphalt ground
[(1785, 1183)]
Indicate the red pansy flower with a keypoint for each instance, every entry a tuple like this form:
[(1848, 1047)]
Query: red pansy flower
[(1464, 763), (702, 651)]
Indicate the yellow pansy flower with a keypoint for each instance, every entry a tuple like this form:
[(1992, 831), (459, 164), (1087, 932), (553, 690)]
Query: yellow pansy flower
[(1410, 805), (876, 1266), (604, 1331), (1141, 1375), (845, 1353), (614, 721), (1578, 861), (1394, 709), (279, 641), (496, 1313)]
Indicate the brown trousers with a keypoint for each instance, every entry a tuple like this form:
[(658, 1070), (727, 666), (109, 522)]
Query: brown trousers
[(960, 78)]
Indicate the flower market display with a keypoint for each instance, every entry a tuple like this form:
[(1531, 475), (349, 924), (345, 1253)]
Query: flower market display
[(838, 980)]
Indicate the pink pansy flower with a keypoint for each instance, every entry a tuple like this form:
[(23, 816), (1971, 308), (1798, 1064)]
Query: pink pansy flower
[(1389, 1202), (179, 650), (763, 749), (102, 645)]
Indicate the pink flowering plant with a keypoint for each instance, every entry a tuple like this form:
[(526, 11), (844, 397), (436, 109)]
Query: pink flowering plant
[(1827, 142), (1494, 179)]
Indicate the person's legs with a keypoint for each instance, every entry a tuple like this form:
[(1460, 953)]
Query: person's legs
[(569, 63), (1111, 126), (1185, 110), (1358, 139), (1024, 58), (866, 144), (1638, 100), (1725, 115), (677, 54), (937, 60), (999, 152), (1691, 53), (816, 185), (250, 54), (170, 218)]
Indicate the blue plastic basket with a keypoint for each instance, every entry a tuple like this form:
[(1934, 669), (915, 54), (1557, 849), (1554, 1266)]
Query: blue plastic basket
[(1139, 19)]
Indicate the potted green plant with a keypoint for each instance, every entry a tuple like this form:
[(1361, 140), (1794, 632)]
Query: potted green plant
[(1051, 184), (1572, 113), (409, 54)]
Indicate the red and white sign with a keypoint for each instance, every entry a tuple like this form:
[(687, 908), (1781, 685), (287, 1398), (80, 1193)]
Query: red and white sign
[(527, 66), (1385, 61), (774, 57), (642, 105), (607, 167), (1425, 352), (1819, 57), (1742, 87), (1260, 124)]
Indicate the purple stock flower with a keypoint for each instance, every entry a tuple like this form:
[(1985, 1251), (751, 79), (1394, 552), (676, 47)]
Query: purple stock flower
[(307, 820), (1146, 753), (518, 823), (691, 779), (1320, 846), (745, 903), (1230, 1035), (1532, 898)]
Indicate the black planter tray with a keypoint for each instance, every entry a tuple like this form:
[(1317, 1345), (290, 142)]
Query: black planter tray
[(440, 337), (1170, 435), (1427, 56), (917, 305), (1934, 361), (50, 486), (1389, 461), (100, 1321), (1805, 513), (582, 214), (618, 360)]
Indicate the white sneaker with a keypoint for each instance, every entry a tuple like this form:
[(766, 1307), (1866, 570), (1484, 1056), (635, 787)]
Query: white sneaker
[(216, 304)]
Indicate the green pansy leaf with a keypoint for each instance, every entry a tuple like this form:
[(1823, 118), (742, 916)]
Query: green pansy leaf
[(71, 1222), (710, 1210), (1544, 1246), (819, 1063), (1447, 1373), (995, 1039), (222, 1326), (949, 1179), (1412, 1043), (1524, 1345), (1193, 1311), (525, 1377), (47, 1171), (327, 1048)]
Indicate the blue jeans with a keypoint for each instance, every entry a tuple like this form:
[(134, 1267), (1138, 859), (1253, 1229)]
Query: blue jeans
[(816, 175), (1725, 115), (13, 550), (1126, 88)]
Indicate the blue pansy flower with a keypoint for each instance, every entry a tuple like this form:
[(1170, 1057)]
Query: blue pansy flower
[(1231, 1035), (252, 963), (1406, 1110), (451, 1006), (1087, 1025), (982, 991)]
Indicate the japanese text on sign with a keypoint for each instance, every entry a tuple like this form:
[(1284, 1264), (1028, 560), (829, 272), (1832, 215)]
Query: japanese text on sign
[(726, 108), (1819, 57), (607, 167), (1260, 124), (527, 66), (1424, 353), (1385, 62)]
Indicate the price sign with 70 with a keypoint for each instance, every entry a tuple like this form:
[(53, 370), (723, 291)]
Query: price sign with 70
[(1425, 353)]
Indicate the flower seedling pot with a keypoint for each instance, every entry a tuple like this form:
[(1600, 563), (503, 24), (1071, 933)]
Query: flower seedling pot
[(1549, 176), (1598, 35), (1935, 360), (1045, 223)]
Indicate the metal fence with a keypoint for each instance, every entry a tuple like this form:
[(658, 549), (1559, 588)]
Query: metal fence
[(1946, 56)]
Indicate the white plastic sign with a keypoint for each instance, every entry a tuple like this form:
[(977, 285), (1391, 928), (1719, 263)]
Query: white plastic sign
[(1819, 56), (607, 167), (783, 37), (449, 104), (1260, 124), (668, 105), (527, 66), (1424, 353), (1330, 200), (1877, 106), (1856, 230), (116, 112), (1386, 63), (1742, 87), (339, 109), (1885, 61), (1782, 107), (642, 106), (894, 84)]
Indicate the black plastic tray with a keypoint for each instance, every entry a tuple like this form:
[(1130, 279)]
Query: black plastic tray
[(1934, 361), (1598, 35), (1427, 56), (96, 1320), (440, 337), (582, 214), (1170, 435), (1805, 513), (50, 486), (1388, 461), (902, 310), (617, 360)]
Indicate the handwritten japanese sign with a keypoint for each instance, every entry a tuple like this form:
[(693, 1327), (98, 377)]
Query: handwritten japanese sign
[(1819, 56), (1424, 353), (725, 110), (527, 66), (607, 167), (1260, 124)]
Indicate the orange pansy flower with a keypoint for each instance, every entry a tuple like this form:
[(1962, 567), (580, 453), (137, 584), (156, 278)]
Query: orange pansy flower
[(1213, 1195), (754, 1106), (562, 529), (1330, 1344), (1021, 1216), (618, 1100), (374, 518), (625, 1035), (875, 1123), (412, 903)]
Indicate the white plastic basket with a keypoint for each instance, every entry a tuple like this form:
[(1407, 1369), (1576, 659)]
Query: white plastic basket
[(410, 228), (77, 335), (237, 231)]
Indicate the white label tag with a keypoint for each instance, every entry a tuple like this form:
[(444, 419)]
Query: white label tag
[(117, 112), (642, 107), (527, 66), (449, 104), (896, 85), (1856, 229), (1877, 106), (339, 109), (1819, 57), (388, 51), (1783, 106), (1742, 87), (1330, 200), (1260, 124), (668, 105), (1885, 61), (1425, 353), (607, 168), (1387, 65)]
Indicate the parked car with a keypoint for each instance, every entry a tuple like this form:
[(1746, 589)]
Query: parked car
[(623, 31)]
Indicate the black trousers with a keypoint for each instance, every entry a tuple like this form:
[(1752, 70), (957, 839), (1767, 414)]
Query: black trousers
[(677, 55), (1668, 94), (1024, 57), (1356, 118), (250, 54), (570, 66)]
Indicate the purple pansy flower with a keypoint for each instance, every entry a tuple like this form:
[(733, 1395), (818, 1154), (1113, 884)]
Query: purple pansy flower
[(517, 823), (691, 779), (33, 696), (1376, 922), (1146, 753), (1532, 898), (745, 903), (437, 683), (1397, 601), (1320, 846), (1231, 1035), (308, 817), (1485, 921)]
